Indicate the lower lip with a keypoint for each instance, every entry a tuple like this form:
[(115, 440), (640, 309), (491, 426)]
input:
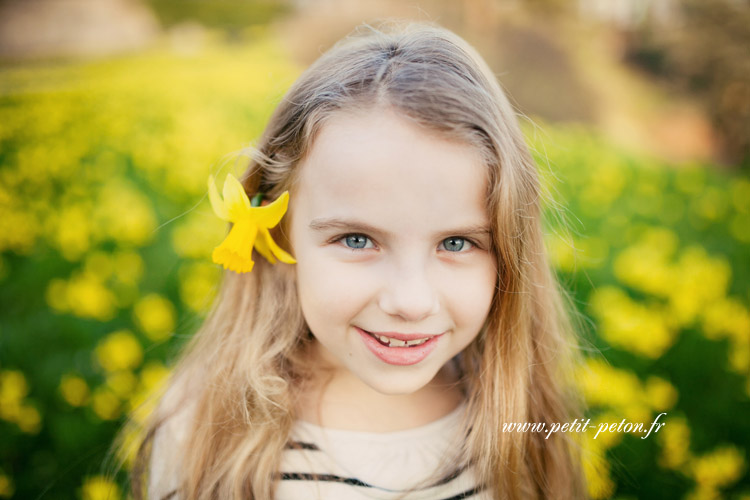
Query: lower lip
[(401, 356)]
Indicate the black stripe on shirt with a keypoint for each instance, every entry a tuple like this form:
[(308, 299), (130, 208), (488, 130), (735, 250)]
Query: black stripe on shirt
[(306, 476), (303, 476), (450, 477), (460, 496), (465, 494), (299, 445)]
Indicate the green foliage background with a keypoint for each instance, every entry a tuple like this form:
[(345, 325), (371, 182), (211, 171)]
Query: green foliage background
[(105, 233)]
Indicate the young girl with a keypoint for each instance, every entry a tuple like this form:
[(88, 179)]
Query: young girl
[(413, 311)]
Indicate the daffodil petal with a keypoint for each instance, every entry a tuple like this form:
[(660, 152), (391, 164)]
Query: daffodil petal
[(280, 253), (216, 202), (261, 245), (270, 215), (236, 202), (235, 252)]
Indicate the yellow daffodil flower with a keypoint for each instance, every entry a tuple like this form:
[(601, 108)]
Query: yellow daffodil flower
[(249, 229)]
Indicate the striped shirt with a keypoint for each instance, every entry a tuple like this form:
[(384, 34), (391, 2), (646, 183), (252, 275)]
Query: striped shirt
[(330, 464)]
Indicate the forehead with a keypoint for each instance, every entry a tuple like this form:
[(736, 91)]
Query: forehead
[(370, 163)]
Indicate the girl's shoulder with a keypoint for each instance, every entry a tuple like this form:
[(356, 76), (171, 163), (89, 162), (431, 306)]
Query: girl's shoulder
[(175, 416)]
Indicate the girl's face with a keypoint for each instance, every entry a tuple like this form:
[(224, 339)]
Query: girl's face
[(391, 235)]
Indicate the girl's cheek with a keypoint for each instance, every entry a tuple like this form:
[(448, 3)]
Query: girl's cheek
[(470, 289), (336, 283)]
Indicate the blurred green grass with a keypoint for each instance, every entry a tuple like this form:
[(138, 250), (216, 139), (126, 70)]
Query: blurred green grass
[(105, 237), (231, 15)]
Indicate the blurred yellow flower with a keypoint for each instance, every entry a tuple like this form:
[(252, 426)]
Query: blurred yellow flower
[(29, 419), (562, 252), (100, 488), (660, 394), (13, 408), (120, 350), (605, 439), (18, 230), (72, 231), (128, 266), (99, 264), (639, 328), (55, 295), (84, 295), (195, 237), (739, 357), (74, 390), (719, 468), (702, 279), (124, 214), (105, 404), (620, 390), (645, 264), (249, 229), (593, 252), (595, 467), (623, 394), (726, 317), (674, 439), (129, 441), (702, 492), (605, 385), (122, 383), (155, 316), (198, 284), (690, 283), (90, 298), (153, 377), (606, 182), (6, 486), (13, 387)]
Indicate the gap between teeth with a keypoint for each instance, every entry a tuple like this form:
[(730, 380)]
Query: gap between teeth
[(399, 343)]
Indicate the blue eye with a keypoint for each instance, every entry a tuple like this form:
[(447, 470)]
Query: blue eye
[(355, 241), (455, 243)]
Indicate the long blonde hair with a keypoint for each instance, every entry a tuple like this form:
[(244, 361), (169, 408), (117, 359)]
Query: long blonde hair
[(241, 373)]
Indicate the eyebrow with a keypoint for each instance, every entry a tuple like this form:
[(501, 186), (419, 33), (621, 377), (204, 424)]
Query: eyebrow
[(324, 224)]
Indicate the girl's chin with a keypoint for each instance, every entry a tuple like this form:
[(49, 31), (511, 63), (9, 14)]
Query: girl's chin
[(399, 384)]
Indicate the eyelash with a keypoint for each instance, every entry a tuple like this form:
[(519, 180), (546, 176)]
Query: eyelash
[(342, 239)]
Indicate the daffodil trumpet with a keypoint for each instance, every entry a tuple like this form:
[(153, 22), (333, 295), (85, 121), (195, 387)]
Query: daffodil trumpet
[(250, 225)]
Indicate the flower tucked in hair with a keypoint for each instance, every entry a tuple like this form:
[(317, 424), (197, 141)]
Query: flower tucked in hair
[(235, 252)]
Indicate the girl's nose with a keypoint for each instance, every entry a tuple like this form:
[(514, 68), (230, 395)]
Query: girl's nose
[(409, 294)]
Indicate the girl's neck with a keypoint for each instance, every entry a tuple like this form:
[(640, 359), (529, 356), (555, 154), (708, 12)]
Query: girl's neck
[(343, 404)]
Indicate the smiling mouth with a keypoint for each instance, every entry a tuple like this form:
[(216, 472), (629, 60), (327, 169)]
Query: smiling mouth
[(393, 342)]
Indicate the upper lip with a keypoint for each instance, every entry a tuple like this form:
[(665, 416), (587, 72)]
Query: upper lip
[(403, 336)]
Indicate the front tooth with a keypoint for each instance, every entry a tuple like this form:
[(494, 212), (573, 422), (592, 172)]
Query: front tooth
[(383, 338), (416, 342), (396, 343)]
